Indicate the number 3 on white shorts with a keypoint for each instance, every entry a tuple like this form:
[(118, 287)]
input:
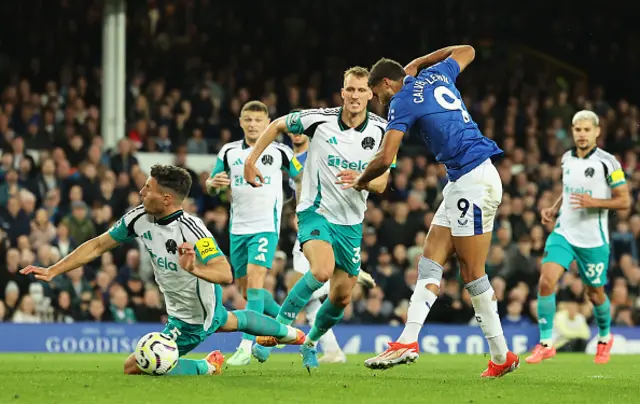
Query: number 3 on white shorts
[(594, 271), (356, 255)]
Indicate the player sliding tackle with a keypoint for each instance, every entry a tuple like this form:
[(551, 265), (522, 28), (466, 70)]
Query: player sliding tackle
[(464, 221), (343, 140), (593, 183), (188, 267)]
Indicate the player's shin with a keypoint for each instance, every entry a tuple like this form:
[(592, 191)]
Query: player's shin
[(190, 367), (422, 299), (485, 306), (328, 340), (602, 314), (255, 302), (271, 307), (298, 298), (258, 324), (328, 316), (546, 313)]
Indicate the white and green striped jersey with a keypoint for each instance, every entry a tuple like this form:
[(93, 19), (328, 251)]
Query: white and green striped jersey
[(595, 174), (187, 298), (255, 210), (333, 147)]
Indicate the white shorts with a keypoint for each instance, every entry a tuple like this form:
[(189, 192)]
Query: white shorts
[(470, 204), (302, 266)]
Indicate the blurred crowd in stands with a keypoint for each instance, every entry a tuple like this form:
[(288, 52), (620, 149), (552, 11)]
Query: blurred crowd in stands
[(191, 67)]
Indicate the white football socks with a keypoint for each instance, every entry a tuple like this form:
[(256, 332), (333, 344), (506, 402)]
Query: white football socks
[(422, 300), (246, 344), (604, 339), (292, 334), (486, 310)]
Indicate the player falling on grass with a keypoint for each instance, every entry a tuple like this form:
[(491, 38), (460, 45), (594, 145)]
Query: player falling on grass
[(463, 223), (593, 183), (342, 141), (255, 214), (332, 351), (188, 267)]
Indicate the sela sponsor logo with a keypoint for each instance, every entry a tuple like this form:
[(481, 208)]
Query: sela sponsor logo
[(577, 190), (238, 181), (163, 262), (339, 162)]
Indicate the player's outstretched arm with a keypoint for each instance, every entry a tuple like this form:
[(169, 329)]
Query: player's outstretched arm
[(347, 179), (463, 54), (87, 252), (382, 160), (266, 138), (379, 185)]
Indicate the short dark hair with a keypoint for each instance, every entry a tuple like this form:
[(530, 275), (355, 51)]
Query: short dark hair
[(255, 106), (173, 178), (385, 68)]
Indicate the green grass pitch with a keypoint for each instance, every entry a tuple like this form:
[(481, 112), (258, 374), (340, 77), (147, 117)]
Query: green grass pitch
[(85, 378)]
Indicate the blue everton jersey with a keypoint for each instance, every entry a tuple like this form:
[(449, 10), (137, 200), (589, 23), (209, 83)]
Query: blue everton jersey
[(432, 101)]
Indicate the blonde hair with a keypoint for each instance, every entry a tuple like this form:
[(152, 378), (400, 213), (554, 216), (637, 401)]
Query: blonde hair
[(586, 115), (255, 106), (357, 71)]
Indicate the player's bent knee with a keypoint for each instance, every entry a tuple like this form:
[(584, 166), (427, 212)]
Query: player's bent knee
[(546, 285), (322, 273), (255, 277), (430, 271), (340, 300), (231, 324), (596, 295), (549, 277)]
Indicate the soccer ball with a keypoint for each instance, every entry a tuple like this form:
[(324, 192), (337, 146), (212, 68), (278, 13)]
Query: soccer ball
[(156, 354)]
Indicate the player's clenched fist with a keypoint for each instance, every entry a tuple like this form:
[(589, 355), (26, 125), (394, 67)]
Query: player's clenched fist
[(41, 274), (347, 178), (548, 215), (219, 180), (187, 257)]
